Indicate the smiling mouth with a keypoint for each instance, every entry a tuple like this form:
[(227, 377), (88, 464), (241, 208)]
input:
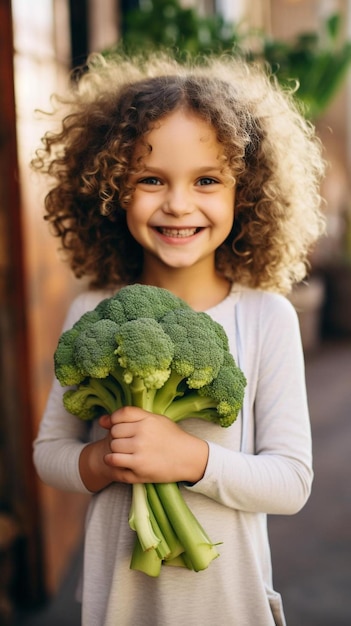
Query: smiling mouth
[(178, 232)]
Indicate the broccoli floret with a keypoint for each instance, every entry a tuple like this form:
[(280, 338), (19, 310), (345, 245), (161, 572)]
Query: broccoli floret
[(201, 349), (135, 356), (90, 356), (228, 403), (198, 348), (139, 301), (66, 369), (220, 401), (87, 319), (145, 353), (94, 349), (145, 347), (93, 398)]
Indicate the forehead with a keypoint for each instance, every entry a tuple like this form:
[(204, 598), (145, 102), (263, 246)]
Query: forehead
[(181, 130), (182, 121)]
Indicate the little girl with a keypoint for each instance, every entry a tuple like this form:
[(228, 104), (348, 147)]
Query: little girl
[(203, 180)]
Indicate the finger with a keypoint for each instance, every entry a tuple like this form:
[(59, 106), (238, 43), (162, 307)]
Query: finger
[(122, 446), (124, 430), (127, 414), (119, 460), (119, 474), (125, 475), (105, 421)]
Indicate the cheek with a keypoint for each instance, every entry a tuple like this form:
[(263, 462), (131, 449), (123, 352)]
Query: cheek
[(130, 220), (227, 220), (227, 211), (227, 228), (134, 211), (136, 219)]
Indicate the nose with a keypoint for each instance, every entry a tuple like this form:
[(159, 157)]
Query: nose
[(178, 202)]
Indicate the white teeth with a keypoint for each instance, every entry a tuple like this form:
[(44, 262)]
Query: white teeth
[(177, 232)]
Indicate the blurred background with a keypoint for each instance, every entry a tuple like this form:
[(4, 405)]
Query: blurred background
[(41, 43)]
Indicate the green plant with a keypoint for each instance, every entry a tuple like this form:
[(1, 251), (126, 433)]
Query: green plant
[(317, 62), (166, 24)]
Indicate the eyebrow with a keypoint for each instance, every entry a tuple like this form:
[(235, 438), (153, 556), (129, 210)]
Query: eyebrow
[(203, 169)]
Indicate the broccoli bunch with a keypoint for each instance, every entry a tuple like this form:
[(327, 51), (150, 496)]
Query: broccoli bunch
[(146, 347)]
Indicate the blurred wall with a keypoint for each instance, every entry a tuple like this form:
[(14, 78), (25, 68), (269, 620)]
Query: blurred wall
[(289, 17), (42, 60)]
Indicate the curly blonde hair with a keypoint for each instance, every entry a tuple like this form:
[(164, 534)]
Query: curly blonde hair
[(272, 151)]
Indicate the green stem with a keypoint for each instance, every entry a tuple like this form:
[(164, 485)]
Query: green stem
[(141, 396), (179, 561), (198, 547), (118, 374), (139, 518), (107, 399), (163, 550), (190, 405), (115, 388), (168, 393), (147, 562), (175, 547)]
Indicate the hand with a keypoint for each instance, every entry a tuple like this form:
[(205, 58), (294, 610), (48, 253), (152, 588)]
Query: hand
[(146, 447)]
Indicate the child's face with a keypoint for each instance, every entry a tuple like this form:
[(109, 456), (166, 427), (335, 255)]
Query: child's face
[(182, 208)]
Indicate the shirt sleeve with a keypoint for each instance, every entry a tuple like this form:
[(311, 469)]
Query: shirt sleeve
[(61, 436), (276, 477)]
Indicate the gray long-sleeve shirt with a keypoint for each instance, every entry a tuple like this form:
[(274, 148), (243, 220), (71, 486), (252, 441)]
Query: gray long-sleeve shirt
[(260, 465)]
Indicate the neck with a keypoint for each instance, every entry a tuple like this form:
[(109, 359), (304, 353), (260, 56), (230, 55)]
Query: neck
[(200, 291)]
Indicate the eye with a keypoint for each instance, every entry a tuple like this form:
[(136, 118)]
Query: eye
[(206, 180), (149, 180)]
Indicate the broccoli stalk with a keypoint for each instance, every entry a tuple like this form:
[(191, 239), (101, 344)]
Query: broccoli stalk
[(199, 549), (166, 527), (145, 347), (156, 540), (141, 511)]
